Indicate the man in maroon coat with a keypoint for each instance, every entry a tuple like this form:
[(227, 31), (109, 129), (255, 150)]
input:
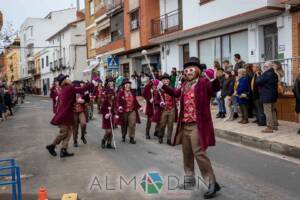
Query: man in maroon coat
[(64, 117), (128, 108), (108, 117), (195, 127), (166, 112), (148, 93)]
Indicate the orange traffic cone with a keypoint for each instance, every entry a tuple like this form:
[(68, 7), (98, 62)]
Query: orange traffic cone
[(43, 194)]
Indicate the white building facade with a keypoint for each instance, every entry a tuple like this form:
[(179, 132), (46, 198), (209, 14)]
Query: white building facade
[(258, 30), (69, 56), (33, 35)]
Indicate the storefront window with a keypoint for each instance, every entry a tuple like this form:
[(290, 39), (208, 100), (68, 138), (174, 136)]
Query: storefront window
[(223, 48)]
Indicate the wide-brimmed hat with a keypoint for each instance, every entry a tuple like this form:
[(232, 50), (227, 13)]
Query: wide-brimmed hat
[(61, 77), (125, 81), (76, 83), (193, 61), (165, 76)]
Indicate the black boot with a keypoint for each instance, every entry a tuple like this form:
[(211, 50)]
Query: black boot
[(83, 139), (132, 141), (218, 115), (123, 138), (169, 142), (64, 153), (298, 132), (156, 133), (75, 143), (160, 140), (223, 115), (103, 144), (212, 190), (148, 137), (109, 146), (235, 115), (51, 149)]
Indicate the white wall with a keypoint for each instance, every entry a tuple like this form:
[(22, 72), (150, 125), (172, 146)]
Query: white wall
[(172, 59), (195, 14), (253, 36), (43, 28)]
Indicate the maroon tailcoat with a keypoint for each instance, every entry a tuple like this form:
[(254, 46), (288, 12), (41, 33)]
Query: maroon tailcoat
[(147, 94), (204, 90), (158, 109), (67, 99), (121, 102), (106, 123), (53, 95)]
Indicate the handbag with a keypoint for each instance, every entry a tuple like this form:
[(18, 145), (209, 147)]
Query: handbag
[(280, 89)]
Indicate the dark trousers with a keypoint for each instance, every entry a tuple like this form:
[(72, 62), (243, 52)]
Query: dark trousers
[(10, 110), (79, 119), (129, 123), (259, 112), (244, 111), (148, 126)]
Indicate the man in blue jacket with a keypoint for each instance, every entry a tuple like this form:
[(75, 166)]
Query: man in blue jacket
[(267, 84)]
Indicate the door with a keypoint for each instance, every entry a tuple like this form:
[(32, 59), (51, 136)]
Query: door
[(126, 71), (271, 41), (185, 52)]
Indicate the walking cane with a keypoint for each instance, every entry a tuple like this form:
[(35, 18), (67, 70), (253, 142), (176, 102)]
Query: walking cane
[(152, 96), (144, 52), (112, 128)]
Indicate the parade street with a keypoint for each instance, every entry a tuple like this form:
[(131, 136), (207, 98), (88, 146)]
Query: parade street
[(94, 173)]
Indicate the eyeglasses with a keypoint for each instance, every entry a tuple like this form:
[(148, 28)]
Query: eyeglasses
[(189, 70)]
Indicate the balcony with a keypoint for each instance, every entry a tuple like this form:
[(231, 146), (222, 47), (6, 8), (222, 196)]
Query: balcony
[(113, 5), (62, 63), (31, 71), (103, 41), (168, 23), (120, 43), (100, 10)]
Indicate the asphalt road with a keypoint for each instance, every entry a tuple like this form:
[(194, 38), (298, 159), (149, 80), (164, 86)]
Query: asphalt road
[(95, 173)]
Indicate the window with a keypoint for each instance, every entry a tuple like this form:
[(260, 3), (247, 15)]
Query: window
[(24, 37), (223, 48), (134, 20), (92, 7), (185, 52), (47, 61), (117, 26), (42, 63)]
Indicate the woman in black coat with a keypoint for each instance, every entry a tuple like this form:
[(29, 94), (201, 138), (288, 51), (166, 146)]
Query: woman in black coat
[(8, 101), (296, 91)]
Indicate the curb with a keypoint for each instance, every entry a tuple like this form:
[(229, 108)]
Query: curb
[(258, 143), (41, 96)]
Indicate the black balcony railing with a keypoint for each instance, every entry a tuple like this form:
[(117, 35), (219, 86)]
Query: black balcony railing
[(167, 23)]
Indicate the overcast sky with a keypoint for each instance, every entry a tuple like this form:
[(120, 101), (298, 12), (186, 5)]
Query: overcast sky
[(16, 11)]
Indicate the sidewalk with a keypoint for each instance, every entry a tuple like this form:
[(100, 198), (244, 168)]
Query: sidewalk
[(285, 141)]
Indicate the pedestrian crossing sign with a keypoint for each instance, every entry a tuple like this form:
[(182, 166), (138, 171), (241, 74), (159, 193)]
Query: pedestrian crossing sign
[(113, 62)]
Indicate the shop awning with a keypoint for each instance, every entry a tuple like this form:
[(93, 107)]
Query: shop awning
[(90, 69), (103, 25)]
